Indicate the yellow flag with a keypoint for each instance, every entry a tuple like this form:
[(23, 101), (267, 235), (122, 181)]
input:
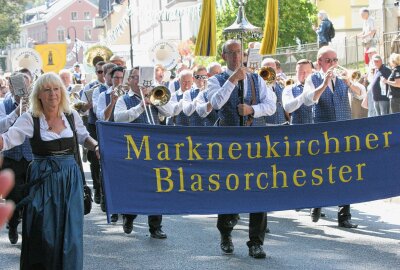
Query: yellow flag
[(270, 37), (206, 43), (54, 56)]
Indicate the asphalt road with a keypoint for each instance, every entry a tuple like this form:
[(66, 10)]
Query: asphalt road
[(193, 242)]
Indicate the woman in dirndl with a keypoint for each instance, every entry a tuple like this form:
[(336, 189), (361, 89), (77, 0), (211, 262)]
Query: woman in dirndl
[(52, 231)]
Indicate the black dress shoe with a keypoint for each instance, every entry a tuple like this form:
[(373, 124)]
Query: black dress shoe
[(114, 218), (127, 224), (103, 203), (257, 252), (323, 214), (347, 224), (267, 230), (13, 235), (226, 244), (97, 196), (315, 214), (158, 234)]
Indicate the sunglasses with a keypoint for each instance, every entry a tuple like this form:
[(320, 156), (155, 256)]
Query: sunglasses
[(99, 72), (329, 60), (201, 77)]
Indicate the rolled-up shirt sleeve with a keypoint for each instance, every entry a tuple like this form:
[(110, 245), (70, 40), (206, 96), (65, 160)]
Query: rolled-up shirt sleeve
[(309, 91), (101, 106), (189, 105), (267, 105), (218, 95), (289, 102), (123, 114), (6, 120), (201, 105)]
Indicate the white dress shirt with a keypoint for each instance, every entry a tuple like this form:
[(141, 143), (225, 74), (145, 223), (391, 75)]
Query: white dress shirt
[(6, 121), (188, 105), (101, 104), (201, 104), (218, 95), (23, 128), (289, 102)]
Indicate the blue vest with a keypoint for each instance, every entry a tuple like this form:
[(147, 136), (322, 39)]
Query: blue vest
[(108, 100), (331, 106), (195, 119), (212, 117), (228, 114), (302, 115), (279, 116), (92, 116), (132, 101), (21, 151), (181, 119)]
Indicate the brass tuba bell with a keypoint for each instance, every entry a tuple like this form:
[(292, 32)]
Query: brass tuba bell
[(95, 54), (268, 74)]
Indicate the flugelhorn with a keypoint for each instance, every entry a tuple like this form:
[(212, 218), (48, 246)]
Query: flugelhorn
[(268, 74)]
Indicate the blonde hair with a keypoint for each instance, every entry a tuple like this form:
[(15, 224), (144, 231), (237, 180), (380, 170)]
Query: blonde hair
[(395, 59), (45, 80)]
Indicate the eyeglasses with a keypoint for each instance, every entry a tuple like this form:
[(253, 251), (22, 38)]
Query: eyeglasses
[(134, 77), (233, 52), (201, 77), (117, 78), (99, 72), (329, 60)]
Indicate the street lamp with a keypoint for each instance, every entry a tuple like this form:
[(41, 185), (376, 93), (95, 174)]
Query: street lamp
[(68, 40), (117, 7)]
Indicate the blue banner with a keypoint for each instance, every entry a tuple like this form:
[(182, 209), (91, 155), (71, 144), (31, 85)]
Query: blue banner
[(203, 170)]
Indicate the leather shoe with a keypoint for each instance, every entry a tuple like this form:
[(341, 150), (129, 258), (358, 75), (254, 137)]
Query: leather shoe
[(13, 235), (103, 203), (347, 224), (323, 214), (257, 252), (158, 234), (315, 214), (267, 230), (97, 196), (127, 224), (114, 218), (226, 244)]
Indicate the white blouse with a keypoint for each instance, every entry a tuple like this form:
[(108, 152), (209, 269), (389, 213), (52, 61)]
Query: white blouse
[(23, 128)]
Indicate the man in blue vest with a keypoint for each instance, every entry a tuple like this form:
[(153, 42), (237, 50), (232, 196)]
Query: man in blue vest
[(94, 162), (259, 101), (293, 97), (18, 158), (131, 108), (330, 96)]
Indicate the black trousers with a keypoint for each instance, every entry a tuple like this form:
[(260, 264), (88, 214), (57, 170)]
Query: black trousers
[(20, 169), (257, 226), (154, 221), (94, 162), (344, 213)]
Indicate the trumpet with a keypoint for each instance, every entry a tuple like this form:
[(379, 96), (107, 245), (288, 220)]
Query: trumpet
[(268, 74), (356, 75), (289, 82), (340, 72), (120, 90)]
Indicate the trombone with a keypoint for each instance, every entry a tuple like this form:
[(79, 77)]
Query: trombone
[(158, 96)]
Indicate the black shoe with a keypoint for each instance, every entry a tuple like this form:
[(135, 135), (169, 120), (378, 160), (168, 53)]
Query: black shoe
[(226, 244), (13, 235), (127, 224), (158, 234), (102, 203), (347, 224), (323, 214), (114, 218), (267, 230), (97, 196), (315, 214), (257, 252)]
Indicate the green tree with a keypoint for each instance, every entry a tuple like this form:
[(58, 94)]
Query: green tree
[(295, 20), (10, 19)]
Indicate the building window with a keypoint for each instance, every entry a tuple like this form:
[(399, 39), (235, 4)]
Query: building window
[(61, 34), (88, 34), (74, 16), (86, 15)]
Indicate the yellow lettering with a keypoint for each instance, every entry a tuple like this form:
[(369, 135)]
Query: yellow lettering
[(197, 185), (258, 151), (310, 151), (228, 182), (178, 150), (371, 137), (271, 149), (298, 146), (210, 151), (275, 177), (348, 143), (181, 180), (317, 176), (345, 170), (163, 154), (214, 182), (259, 181), (248, 175), (234, 147), (193, 150), (144, 143), (359, 172), (386, 135), (167, 179), (299, 174), (330, 171), (327, 143)]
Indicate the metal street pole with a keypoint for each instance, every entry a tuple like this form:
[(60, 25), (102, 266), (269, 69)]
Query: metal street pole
[(130, 33)]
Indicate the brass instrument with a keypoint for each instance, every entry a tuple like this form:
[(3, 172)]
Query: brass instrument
[(75, 102), (356, 75), (95, 54), (120, 90), (289, 82), (268, 74), (340, 72), (159, 95)]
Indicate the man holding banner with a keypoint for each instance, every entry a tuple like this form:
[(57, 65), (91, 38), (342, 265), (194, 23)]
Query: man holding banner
[(329, 94), (260, 101)]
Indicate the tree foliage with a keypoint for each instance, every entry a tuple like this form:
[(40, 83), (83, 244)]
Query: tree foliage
[(10, 19), (295, 20)]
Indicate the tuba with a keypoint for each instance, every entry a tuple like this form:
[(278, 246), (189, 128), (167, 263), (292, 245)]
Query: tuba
[(95, 54), (268, 74)]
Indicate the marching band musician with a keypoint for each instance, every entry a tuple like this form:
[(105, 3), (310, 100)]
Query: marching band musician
[(293, 97), (186, 82), (91, 126), (259, 102), (279, 117), (189, 96), (18, 158), (131, 108), (329, 95)]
